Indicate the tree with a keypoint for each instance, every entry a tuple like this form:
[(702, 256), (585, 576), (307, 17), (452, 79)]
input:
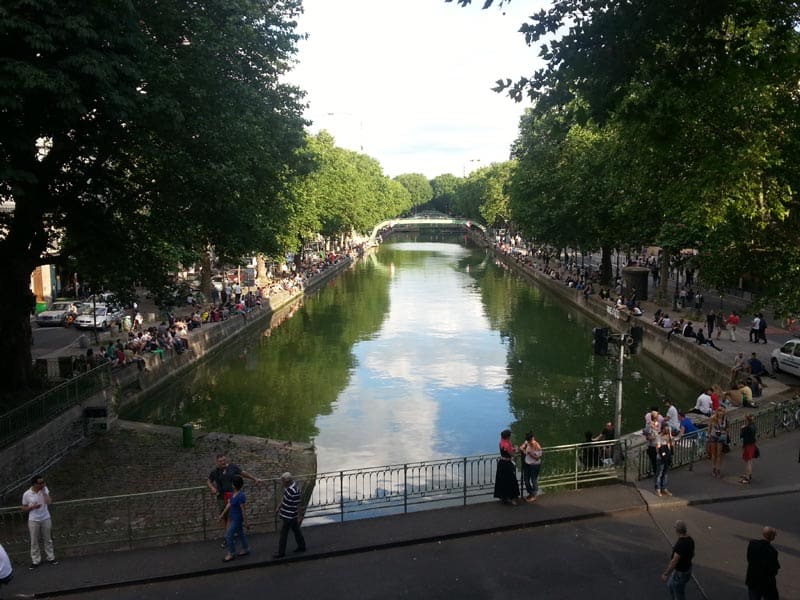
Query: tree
[(345, 191), (133, 136), (704, 96), (444, 190), (418, 186)]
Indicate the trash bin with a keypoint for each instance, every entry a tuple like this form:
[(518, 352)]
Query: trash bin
[(65, 367), (187, 435), (636, 279)]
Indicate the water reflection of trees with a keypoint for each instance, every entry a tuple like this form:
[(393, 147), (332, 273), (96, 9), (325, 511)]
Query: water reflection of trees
[(275, 382), (557, 387)]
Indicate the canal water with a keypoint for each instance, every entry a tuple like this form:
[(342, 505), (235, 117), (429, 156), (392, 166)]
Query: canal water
[(424, 350)]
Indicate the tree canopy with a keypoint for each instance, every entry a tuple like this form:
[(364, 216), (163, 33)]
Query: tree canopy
[(133, 135), (672, 123)]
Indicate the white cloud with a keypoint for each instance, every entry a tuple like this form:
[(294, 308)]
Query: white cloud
[(410, 82)]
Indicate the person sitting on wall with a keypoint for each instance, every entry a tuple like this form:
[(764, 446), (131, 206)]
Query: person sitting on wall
[(756, 368), (702, 340)]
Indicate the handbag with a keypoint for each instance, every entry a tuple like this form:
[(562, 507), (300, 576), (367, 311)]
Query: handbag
[(726, 448), (757, 453)]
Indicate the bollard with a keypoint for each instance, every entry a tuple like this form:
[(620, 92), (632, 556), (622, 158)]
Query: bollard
[(83, 341), (187, 435)]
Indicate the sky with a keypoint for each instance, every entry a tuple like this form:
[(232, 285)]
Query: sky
[(408, 82)]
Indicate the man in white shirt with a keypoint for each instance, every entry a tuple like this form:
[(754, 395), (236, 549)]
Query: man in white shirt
[(35, 502), (672, 417), (703, 404)]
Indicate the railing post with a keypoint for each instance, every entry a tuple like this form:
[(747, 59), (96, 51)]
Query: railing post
[(341, 495), (464, 475), (203, 494), (130, 525), (405, 488), (577, 466)]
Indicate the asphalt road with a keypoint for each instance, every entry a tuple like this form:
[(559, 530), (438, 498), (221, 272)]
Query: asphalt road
[(608, 558)]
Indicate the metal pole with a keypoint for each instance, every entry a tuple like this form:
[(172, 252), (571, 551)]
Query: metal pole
[(405, 489), (341, 494), (618, 412), (465, 480)]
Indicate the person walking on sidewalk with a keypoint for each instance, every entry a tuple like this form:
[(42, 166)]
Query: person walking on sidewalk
[(730, 324), (532, 451), (291, 514), (35, 502), (762, 567), (679, 570), (762, 329), (754, 327), (748, 437), (720, 323), (220, 482), (711, 321), (234, 513), (664, 447), (718, 439)]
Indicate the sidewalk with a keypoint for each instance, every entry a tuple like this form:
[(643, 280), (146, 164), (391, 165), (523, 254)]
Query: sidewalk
[(775, 474)]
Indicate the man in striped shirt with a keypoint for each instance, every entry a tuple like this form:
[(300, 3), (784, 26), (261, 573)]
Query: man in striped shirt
[(290, 513)]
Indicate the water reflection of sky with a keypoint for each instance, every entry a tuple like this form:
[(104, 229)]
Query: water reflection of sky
[(430, 383)]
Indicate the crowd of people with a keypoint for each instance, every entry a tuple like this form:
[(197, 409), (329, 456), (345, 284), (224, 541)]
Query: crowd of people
[(171, 336)]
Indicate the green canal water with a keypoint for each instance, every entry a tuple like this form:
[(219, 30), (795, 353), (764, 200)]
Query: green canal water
[(421, 351)]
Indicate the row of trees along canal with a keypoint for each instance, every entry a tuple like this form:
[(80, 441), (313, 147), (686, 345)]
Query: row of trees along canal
[(137, 138)]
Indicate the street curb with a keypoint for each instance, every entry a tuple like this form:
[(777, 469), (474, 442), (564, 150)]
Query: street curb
[(677, 501), (344, 552)]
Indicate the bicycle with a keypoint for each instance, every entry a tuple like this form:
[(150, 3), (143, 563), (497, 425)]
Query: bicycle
[(787, 414)]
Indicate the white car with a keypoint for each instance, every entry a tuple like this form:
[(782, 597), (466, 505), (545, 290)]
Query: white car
[(787, 357), (57, 313), (102, 318)]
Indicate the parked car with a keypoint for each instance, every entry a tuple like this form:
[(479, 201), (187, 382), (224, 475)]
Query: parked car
[(57, 313), (102, 318), (787, 357)]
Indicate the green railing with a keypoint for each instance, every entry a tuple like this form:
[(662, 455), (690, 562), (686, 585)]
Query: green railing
[(36, 412), (154, 518)]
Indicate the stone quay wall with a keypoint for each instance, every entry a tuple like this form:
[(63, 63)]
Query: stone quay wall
[(44, 448), (679, 354)]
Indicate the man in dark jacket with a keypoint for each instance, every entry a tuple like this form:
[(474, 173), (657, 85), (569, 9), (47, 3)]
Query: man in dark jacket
[(762, 567)]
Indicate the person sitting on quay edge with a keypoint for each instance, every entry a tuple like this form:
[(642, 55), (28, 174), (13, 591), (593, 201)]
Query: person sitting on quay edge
[(703, 404), (702, 340), (747, 395), (756, 368)]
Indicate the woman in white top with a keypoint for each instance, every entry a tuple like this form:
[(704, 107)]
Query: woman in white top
[(532, 451)]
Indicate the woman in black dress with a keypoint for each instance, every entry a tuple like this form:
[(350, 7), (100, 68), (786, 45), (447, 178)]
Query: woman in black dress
[(506, 486)]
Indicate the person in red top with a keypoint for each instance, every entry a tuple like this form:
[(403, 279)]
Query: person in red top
[(731, 323), (506, 486), (714, 393)]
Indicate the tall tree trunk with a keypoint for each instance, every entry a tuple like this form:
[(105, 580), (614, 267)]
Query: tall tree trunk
[(205, 275), (605, 265), (16, 301), (261, 269), (663, 284)]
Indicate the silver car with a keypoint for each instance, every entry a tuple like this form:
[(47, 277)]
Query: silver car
[(787, 357), (57, 313), (102, 317)]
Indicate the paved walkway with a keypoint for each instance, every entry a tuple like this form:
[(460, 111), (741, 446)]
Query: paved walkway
[(776, 475)]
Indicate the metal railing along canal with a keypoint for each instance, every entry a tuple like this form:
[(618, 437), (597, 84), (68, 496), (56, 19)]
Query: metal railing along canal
[(155, 518)]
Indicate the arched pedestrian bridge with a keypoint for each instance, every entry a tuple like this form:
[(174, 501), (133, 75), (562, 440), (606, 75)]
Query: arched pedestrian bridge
[(426, 220)]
